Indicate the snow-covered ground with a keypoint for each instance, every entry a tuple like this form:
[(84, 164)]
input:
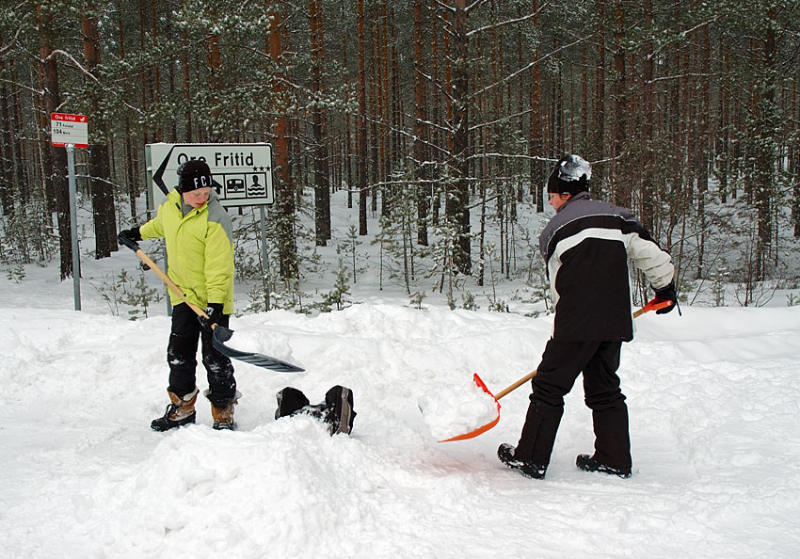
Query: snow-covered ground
[(713, 399)]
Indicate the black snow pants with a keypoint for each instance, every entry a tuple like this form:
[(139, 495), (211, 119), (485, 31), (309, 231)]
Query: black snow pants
[(182, 358), (561, 364)]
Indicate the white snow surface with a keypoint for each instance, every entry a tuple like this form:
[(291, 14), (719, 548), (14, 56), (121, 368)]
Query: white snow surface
[(713, 398)]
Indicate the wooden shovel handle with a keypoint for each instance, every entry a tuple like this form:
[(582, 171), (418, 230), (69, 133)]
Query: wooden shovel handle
[(171, 284), (516, 385), (653, 305)]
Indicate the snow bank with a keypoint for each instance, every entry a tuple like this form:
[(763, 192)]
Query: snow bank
[(713, 397)]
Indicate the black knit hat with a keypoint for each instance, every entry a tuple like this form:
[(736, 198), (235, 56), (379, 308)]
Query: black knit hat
[(570, 176), (194, 174)]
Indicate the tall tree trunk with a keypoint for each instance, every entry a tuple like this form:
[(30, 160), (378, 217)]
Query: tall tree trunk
[(373, 110), (648, 175), (214, 61), (103, 211), (456, 207), (535, 143), (620, 183), (701, 155), (187, 82), (794, 159), (54, 158), (322, 199), (361, 125), (763, 146), (598, 150), (420, 135), (284, 194), (6, 150)]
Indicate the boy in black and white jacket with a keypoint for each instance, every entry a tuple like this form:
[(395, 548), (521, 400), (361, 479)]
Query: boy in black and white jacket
[(586, 248)]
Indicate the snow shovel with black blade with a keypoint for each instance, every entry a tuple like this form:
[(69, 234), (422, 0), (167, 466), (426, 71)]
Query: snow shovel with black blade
[(653, 305), (220, 333)]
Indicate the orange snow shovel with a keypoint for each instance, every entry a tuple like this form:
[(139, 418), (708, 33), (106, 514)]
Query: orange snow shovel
[(653, 305)]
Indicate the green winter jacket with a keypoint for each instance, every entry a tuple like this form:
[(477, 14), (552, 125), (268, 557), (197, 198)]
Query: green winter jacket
[(199, 249)]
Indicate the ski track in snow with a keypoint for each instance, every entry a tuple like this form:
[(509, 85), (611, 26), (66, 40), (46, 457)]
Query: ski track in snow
[(713, 399)]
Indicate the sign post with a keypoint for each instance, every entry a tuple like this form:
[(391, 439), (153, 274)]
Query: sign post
[(71, 131), (73, 227)]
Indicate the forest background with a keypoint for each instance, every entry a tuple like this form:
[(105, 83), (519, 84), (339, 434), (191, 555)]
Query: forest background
[(439, 121)]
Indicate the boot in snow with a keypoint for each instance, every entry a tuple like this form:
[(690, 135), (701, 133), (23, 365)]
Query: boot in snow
[(590, 464), (179, 412), (339, 412), (223, 417), (336, 411), (222, 412), (290, 401), (505, 453)]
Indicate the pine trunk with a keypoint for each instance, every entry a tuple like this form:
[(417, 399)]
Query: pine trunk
[(103, 211), (54, 159), (361, 125), (284, 194)]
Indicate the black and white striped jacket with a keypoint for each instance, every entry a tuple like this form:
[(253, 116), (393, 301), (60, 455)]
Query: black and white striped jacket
[(586, 247)]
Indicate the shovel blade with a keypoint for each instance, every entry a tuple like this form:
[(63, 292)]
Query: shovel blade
[(222, 335), (483, 428)]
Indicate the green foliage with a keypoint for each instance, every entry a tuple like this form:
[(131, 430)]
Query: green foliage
[(350, 247), (24, 239), (416, 299), (337, 295), (719, 281), (468, 301), (123, 291)]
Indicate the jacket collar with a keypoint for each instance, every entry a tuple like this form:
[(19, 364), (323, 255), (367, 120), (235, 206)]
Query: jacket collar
[(579, 196)]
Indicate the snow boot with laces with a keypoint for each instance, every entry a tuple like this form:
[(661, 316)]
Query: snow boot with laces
[(179, 412)]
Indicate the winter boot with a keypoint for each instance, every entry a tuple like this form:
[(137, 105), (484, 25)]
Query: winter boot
[(505, 453), (179, 412), (339, 412), (290, 401), (223, 412), (590, 464)]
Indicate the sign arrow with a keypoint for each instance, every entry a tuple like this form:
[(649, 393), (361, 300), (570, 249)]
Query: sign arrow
[(158, 175)]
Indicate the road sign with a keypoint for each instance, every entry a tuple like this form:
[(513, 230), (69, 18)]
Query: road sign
[(242, 173), (69, 129)]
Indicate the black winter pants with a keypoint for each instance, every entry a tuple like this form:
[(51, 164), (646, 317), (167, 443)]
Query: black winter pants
[(561, 364), (182, 358)]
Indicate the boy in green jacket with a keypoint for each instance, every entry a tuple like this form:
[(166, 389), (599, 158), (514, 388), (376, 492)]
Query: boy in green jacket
[(197, 232)]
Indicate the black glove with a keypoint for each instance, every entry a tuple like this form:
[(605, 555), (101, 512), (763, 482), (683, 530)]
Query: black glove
[(129, 237), (214, 312), (667, 294)]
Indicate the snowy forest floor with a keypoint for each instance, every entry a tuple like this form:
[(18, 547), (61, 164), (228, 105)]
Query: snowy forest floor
[(713, 399)]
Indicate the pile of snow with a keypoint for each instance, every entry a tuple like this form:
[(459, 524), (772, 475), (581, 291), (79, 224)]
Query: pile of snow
[(713, 399), (457, 409)]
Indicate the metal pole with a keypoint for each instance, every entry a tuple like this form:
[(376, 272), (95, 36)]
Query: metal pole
[(264, 255), (264, 258), (73, 226)]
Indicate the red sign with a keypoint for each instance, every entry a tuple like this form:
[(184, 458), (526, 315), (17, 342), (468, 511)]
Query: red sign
[(69, 129)]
